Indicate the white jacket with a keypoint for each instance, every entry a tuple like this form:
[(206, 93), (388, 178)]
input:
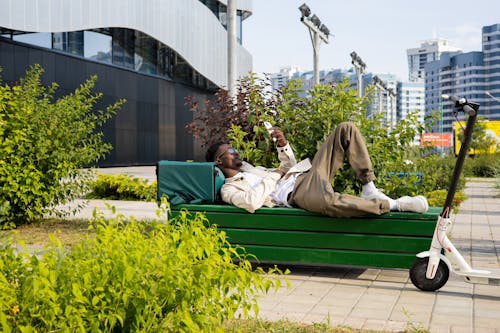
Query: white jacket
[(238, 192)]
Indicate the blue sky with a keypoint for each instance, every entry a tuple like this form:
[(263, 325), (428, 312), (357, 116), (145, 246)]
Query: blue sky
[(382, 32)]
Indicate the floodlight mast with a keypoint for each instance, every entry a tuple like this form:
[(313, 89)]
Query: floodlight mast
[(360, 67), (381, 87), (487, 93), (231, 48), (318, 32)]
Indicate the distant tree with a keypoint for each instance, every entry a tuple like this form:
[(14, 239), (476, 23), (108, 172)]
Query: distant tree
[(44, 143), (481, 142)]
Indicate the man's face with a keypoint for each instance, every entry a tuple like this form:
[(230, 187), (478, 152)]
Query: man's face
[(227, 157)]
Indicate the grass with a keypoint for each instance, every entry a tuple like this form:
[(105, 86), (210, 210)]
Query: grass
[(71, 231), (39, 233), (286, 326)]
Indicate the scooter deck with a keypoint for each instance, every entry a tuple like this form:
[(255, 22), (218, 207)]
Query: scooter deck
[(483, 276)]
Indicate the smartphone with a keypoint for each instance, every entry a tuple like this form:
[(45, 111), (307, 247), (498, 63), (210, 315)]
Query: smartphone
[(269, 128)]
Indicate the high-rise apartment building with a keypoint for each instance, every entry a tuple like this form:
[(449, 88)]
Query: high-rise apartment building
[(472, 75), (428, 51), (385, 98), (411, 98), (460, 74), (280, 79), (491, 58)]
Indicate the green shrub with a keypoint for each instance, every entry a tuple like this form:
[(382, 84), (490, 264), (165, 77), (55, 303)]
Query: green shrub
[(437, 171), (44, 143), (147, 276), (307, 121), (483, 165), (438, 197), (121, 187)]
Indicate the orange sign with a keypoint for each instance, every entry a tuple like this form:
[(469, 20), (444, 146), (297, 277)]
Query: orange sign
[(436, 139)]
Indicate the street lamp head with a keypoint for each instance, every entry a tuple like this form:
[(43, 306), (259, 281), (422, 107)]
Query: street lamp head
[(305, 10), (492, 97), (324, 30), (316, 20)]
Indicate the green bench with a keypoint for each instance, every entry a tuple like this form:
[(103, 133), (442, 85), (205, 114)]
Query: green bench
[(296, 236)]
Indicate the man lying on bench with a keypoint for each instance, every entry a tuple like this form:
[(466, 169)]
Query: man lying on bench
[(307, 185)]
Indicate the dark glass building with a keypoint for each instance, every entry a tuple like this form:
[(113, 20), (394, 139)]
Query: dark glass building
[(152, 53)]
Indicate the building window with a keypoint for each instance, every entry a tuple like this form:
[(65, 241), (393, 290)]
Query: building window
[(69, 42), (97, 46), (42, 39), (123, 47), (126, 48), (145, 55)]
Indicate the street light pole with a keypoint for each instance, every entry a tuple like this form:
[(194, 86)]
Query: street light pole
[(487, 93), (381, 87), (392, 96), (441, 123), (359, 66), (231, 47), (318, 32)]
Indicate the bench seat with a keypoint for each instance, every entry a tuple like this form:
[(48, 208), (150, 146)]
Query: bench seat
[(296, 236)]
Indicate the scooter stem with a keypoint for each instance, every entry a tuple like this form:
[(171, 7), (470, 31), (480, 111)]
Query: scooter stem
[(459, 166)]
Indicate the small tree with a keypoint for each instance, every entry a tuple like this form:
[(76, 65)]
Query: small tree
[(238, 120), (44, 142), (481, 142)]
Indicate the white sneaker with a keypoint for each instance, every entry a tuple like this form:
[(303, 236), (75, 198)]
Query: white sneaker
[(375, 195), (416, 204)]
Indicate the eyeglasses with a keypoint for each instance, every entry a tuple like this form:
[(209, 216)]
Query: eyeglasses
[(229, 150)]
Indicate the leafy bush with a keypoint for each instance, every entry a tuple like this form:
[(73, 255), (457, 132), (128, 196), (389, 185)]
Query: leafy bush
[(437, 171), (121, 187), (147, 276), (44, 142), (438, 197), (306, 123), (483, 165)]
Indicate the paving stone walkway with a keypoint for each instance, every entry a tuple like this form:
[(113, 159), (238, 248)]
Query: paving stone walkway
[(385, 299)]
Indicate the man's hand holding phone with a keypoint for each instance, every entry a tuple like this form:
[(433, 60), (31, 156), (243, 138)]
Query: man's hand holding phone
[(276, 134)]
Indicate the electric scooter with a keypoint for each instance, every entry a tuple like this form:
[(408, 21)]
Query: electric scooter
[(431, 269)]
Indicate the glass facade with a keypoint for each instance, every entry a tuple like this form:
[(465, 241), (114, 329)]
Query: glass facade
[(220, 11), (491, 51), (97, 46), (472, 75), (68, 42), (42, 39), (121, 47), (459, 74)]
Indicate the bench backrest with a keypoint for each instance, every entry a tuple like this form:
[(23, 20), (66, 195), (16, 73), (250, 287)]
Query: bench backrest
[(188, 182)]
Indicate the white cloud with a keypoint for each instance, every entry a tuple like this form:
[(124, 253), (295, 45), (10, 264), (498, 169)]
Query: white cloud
[(467, 37)]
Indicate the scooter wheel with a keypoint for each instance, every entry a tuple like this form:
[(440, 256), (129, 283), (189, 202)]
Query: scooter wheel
[(419, 269)]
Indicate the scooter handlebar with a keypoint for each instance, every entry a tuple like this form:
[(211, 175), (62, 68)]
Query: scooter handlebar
[(455, 99), (469, 110), (463, 105)]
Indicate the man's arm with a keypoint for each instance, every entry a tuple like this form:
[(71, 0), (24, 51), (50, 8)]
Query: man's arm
[(285, 152), (239, 193)]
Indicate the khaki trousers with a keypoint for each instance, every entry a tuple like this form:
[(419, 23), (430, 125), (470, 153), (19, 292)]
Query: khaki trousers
[(313, 190)]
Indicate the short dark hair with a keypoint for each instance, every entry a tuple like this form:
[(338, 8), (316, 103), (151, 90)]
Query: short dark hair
[(212, 150)]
